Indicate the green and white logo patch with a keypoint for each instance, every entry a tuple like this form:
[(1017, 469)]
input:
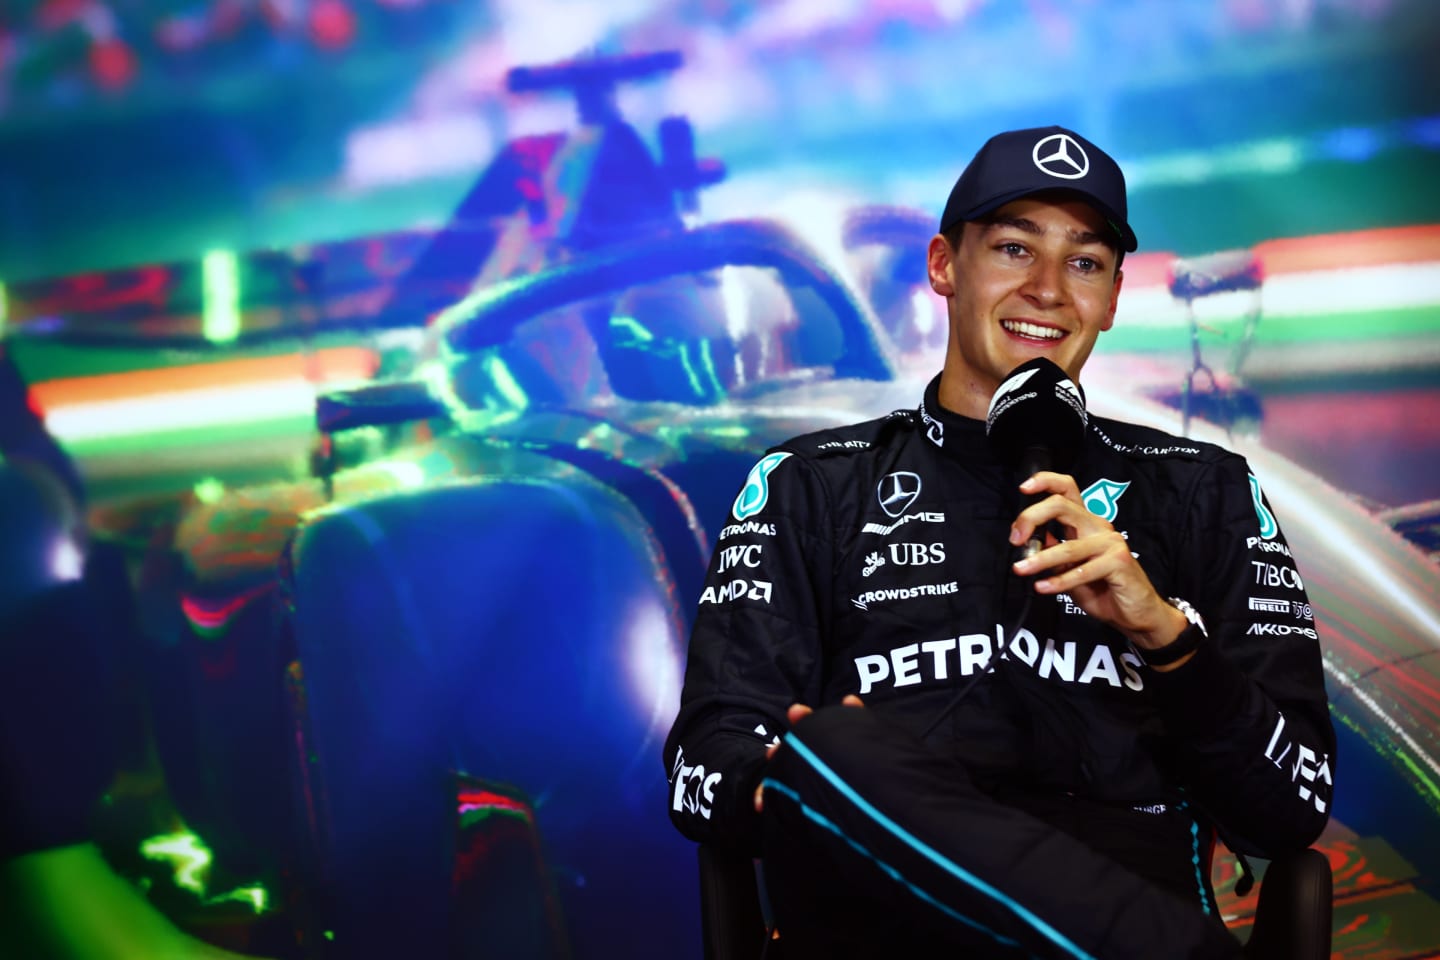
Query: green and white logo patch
[(1268, 526), (756, 493), (1102, 498)]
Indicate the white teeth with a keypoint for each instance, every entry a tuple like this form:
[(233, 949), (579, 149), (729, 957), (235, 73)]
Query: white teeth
[(1032, 330)]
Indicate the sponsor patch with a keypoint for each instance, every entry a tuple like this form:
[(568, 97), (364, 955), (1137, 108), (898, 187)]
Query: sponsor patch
[(939, 660), (749, 526), (692, 789), (1281, 630), (1142, 449), (756, 492), (745, 554), (1102, 498), (1268, 526), (872, 563), (897, 491), (934, 429), (1308, 770), (1276, 575), (737, 588), (884, 529), (904, 593)]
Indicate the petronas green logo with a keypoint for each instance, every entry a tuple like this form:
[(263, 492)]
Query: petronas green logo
[(753, 497), (1268, 526), (1102, 498)]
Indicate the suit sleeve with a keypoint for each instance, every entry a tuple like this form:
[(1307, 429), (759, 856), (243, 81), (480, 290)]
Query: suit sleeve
[(1248, 715), (754, 649)]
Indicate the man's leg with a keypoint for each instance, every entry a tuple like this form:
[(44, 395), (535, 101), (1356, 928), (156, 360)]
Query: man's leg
[(861, 817)]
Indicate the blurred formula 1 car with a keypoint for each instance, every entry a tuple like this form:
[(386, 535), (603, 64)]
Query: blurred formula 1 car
[(509, 598), (502, 589)]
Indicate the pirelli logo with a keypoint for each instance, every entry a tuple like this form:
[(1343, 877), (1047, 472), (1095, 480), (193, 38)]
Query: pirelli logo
[(1265, 605)]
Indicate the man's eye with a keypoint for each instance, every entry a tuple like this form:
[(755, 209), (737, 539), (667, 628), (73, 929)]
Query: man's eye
[(1087, 264), (1012, 249)]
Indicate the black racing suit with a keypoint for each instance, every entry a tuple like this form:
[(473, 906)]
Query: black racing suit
[(874, 559)]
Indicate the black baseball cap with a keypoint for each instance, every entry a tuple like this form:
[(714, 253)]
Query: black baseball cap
[(1017, 163)]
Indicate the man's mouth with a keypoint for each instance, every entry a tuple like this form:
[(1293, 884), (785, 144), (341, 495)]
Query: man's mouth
[(1032, 331)]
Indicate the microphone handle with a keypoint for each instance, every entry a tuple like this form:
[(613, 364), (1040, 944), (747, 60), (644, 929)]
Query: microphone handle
[(1033, 459)]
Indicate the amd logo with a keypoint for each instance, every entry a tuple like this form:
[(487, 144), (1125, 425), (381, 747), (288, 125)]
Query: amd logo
[(735, 589)]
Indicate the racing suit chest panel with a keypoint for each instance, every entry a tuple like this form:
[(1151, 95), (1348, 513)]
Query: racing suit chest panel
[(920, 603)]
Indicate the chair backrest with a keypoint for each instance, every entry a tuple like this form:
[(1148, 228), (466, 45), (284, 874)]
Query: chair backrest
[(730, 919), (1293, 917)]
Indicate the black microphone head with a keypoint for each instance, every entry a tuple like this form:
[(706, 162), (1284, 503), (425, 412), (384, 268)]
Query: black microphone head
[(1037, 408)]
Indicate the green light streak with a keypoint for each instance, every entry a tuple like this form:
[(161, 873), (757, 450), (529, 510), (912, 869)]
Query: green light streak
[(709, 363), (220, 270), (633, 327), (4, 309), (191, 861), (505, 381), (187, 855), (257, 896), (690, 371)]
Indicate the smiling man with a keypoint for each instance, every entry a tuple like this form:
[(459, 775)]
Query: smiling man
[(939, 748)]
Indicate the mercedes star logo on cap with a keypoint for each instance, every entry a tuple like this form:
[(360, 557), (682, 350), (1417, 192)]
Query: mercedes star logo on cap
[(1060, 156)]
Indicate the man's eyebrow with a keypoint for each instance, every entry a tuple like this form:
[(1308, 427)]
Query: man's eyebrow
[(1029, 226)]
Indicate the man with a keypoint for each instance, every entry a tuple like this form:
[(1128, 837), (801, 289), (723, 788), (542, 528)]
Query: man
[(1155, 690)]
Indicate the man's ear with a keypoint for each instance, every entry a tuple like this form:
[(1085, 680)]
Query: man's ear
[(1114, 300), (937, 262)]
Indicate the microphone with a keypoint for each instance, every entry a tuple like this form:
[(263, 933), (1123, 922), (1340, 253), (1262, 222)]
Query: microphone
[(1037, 421)]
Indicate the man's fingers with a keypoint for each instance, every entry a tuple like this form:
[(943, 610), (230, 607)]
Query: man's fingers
[(797, 712), (851, 700), (760, 798)]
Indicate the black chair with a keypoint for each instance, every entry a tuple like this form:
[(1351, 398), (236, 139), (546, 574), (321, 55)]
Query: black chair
[(1293, 917)]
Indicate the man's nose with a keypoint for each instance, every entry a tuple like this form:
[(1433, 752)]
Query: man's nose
[(1045, 283)]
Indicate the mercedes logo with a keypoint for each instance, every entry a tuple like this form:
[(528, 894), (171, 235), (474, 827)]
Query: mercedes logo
[(1060, 156), (897, 491)]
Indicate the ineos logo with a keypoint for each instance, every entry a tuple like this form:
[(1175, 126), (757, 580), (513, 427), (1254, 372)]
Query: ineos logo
[(897, 491), (1060, 156)]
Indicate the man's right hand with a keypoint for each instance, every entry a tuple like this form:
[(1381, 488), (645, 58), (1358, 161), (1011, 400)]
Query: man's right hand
[(793, 715)]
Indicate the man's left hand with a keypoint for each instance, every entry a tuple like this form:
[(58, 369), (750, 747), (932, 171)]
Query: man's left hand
[(1093, 564)]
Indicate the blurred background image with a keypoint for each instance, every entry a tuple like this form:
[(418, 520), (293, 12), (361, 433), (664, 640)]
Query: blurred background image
[(399, 360)]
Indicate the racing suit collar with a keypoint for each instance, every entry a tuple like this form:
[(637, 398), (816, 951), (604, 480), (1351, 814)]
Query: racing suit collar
[(951, 432)]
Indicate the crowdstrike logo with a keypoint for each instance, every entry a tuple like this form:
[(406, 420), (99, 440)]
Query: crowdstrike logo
[(756, 492), (1060, 156), (897, 491)]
